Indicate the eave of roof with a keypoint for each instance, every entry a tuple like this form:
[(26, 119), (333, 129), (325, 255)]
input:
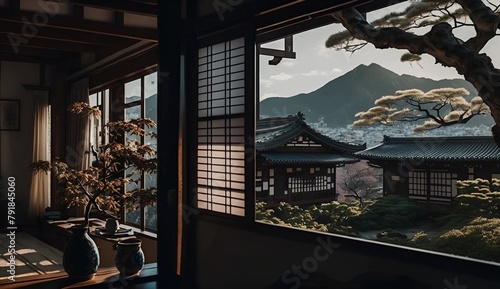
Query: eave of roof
[(269, 139), (463, 148), (308, 158)]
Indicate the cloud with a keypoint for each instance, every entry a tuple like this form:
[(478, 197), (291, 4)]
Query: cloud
[(315, 73), (336, 71), (266, 82), (310, 73), (325, 52), (289, 62), (281, 77)]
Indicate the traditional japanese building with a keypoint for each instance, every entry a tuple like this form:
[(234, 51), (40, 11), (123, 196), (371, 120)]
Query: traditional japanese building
[(295, 163), (426, 169)]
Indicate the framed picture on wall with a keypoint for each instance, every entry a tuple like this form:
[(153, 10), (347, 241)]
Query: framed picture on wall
[(10, 114)]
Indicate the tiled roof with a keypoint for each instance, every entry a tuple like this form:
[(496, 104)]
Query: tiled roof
[(470, 148), (277, 132), (308, 158)]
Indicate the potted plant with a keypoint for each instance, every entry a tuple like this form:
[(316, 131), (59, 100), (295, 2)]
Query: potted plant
[(102, 185)]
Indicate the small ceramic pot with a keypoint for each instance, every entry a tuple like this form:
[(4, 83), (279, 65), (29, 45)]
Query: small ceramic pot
[(129, 258), (112, 225)]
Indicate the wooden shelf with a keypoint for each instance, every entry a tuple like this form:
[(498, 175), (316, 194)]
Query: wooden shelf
[(58, 233)]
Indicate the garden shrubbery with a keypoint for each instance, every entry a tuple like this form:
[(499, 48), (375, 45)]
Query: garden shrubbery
[(479, 239), (389, 212), (328, 217), (472, 228)]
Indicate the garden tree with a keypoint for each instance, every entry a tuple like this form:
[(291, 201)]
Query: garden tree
[(359, 181), (437, 22), (479, 197), (438, 107)]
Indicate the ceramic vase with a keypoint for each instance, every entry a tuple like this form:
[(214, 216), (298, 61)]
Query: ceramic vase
[(129, 258), (81, 256)]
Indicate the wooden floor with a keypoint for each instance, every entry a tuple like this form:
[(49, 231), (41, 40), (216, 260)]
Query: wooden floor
[(34, 257)]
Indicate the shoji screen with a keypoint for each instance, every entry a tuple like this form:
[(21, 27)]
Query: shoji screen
[(224, 136)]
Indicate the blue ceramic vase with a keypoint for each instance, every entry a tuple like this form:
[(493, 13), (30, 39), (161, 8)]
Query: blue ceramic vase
[(129, 258), (81, 256)]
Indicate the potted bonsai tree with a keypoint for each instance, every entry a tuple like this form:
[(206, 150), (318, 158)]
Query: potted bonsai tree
[(102, 185)]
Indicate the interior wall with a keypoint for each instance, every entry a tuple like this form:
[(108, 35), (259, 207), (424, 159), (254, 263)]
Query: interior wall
[(17, 146), (229, 257)]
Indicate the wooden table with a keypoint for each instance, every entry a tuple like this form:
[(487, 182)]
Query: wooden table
[(105, 278)]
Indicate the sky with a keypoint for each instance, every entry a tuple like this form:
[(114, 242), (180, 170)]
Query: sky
[(315, 65)]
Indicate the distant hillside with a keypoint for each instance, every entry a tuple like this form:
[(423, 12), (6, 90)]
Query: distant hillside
[(340, 99), (151, 105)]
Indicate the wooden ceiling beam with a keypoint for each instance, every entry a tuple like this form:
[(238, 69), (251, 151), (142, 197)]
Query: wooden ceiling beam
[(40, 52), (79, 25), (51, 44), (66, 35), (125, 6), (7, 56)]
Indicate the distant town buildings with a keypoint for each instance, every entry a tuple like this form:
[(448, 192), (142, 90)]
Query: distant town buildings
[(373, 135)]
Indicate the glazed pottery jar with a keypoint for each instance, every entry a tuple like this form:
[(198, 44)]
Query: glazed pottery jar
[(129, 258), (81, 256)]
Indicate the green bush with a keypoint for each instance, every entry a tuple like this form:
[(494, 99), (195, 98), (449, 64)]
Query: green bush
[(421, 240), (389, 212), (481, 203), (478, 197), (479, 239)]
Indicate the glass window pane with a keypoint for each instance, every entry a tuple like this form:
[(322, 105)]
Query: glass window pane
[(133, 91), (151, 217), (150, 85), (132, 113), (133, 216)]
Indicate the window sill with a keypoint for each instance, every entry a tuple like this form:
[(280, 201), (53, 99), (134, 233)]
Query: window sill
[(104, 278)]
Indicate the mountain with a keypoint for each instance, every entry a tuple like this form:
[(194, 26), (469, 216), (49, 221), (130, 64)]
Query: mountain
[(340, 99), (151, 106)]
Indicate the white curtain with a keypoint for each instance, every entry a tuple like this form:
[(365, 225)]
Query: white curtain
[(78, 136), (78, 128), (40, 182)]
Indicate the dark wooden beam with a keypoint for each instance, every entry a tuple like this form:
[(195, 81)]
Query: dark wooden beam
[(66, 35), (80, 25), (299, 11), (52, 44), (40, 52), (28, 58), (143, 8)]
